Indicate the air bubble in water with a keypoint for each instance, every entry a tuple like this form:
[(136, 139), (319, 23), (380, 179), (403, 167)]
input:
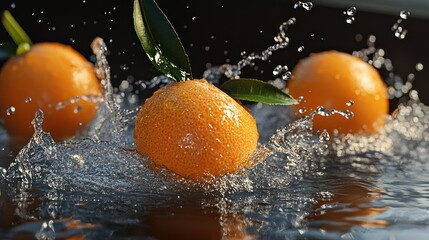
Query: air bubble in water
[(11, 110), (404, 14), (300, 99), (28, 100), (302, 110), (350, 103)]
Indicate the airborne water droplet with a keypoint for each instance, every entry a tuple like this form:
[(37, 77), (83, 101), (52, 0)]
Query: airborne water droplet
[(351, 11), (300, 48), (348, 114), (350, 20), (287, 75), (279, 69), (397, 29), (419, 66), (306, 5), (404, 14), (297, 4), (350, 103), (11, 110)]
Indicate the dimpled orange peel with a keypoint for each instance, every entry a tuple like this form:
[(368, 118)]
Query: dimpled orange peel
[(332, 79)]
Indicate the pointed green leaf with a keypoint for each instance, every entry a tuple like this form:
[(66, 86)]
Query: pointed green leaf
[(14, 29), (160, 41), (7, 50), (256, 91)]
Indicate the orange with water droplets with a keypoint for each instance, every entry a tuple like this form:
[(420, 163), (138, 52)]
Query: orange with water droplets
[(42, 78), (333, 79), (195, 130)]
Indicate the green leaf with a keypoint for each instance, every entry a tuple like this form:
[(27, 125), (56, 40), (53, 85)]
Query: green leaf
[(15, 31), (160, 41), (7, 50), (256, 91)]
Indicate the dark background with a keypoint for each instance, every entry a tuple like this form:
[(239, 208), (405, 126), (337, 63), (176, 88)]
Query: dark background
[(216, 32)]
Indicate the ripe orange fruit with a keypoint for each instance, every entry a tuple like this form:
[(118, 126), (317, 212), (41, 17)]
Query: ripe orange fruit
[(48, 74), (194, 129), (331, 79)]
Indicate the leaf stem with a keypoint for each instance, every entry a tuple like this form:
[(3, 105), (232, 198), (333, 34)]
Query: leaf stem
[(16, 32)]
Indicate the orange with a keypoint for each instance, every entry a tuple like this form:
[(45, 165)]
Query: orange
[(48, 74), (194, 129), (332, 79)]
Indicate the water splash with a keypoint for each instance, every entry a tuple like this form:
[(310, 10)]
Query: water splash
[(110, 124), (233, 71), (101, 174), (397, 86), (34, 157)]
